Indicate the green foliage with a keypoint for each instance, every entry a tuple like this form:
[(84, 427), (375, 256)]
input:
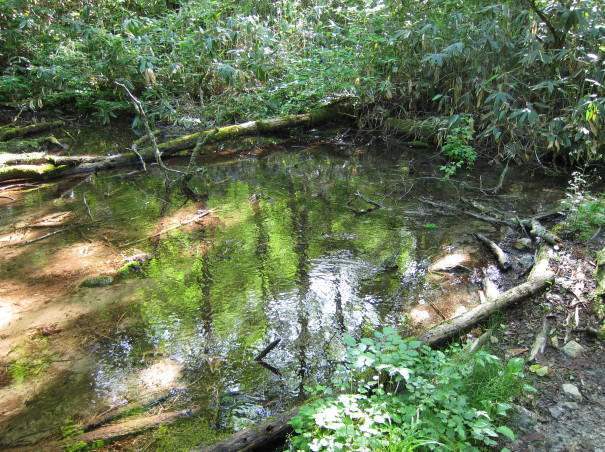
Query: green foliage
[(532, 80), (456, 147), (396, 394), (71, 429), (584, 211)]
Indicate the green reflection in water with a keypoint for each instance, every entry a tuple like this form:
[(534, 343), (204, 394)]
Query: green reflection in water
[(288, 259)]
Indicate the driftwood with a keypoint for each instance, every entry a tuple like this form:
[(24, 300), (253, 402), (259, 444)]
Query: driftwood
[(500, 255), (61, 166), (258, 437), (540, 278), (19, 131)]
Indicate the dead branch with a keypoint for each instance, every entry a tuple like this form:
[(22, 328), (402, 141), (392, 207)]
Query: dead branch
[(267, 349), (184, 223), (539, 345), (501, 257)]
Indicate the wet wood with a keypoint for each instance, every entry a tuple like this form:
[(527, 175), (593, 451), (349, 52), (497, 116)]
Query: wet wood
[(501, 257), (267, 349), (129, 427), (258, 437)]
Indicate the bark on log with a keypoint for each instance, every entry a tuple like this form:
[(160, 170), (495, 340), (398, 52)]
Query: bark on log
[(257, 437), (19, 131), (540, 278)]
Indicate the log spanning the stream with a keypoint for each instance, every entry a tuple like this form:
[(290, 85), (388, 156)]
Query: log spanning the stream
[(59, 166)]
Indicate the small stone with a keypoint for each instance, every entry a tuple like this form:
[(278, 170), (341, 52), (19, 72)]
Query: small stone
[(572, 391), (555, 411), (554, 341), (97, 281), (572, 349), (526, 261), (522, 244)]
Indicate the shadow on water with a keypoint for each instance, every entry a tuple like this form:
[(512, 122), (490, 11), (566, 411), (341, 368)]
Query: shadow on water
[(287, 252)]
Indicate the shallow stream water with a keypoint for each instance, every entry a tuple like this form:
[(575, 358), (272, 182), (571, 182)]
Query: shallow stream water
[(304, 245)]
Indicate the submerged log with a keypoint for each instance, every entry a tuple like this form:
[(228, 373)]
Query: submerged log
[(19, 131), (35, 144)]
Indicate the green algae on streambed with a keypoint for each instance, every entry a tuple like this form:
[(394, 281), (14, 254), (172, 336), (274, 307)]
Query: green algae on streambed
[(288, 246)]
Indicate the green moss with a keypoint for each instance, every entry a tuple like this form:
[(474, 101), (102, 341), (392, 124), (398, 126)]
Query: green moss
[(98, 281), (130, 270)]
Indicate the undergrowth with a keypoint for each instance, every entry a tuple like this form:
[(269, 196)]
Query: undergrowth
[(585, 212), (399, 395)]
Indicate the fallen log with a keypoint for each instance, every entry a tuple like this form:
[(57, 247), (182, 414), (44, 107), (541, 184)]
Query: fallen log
[(500, 255), (536, 229), (256, 438), (84, 164), (540, 278), (19, 131)]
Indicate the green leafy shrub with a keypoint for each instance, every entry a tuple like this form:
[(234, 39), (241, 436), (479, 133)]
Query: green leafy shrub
[(396, 394), (457, 148)]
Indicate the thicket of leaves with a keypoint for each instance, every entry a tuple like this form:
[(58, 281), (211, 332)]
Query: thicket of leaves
[(530, 73)]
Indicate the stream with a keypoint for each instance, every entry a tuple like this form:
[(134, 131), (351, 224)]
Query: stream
[(304, 245)]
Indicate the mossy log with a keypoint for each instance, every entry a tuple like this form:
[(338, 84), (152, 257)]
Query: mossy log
[(9, 133), (83, 164), (45, 171), (424, 129), (36, 144)]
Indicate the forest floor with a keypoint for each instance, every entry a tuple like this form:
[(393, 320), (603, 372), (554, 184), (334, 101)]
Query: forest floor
[(553, 420)]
